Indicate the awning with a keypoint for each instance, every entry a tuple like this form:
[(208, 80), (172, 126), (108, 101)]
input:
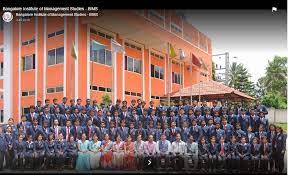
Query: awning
[(196, 61), (211, 90)]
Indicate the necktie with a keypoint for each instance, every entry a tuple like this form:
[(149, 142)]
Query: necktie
[(89, 132), (222, 149), (224, 127), (56, 132), (68, 133)]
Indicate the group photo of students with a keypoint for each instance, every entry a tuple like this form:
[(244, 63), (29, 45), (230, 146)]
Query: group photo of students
[(185, 136)]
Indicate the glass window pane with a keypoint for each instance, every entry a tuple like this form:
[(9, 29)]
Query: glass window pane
[(50, 90), (51, 57), (108, 58), (51, 35), (157, 73), (101, 89), (137, 66), (133, 93), (152, 70), (24, 93), (109, 90), (101, 56), (127, 93), (31, 92), (130, 64), (161, 73), (28, 62), (59, 89), (59, 32), (60, 55)]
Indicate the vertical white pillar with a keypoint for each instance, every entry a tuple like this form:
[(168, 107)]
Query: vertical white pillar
[(8, 77), (65, 58), (77, 61), (44, 58), (88, 63), (36, 59)]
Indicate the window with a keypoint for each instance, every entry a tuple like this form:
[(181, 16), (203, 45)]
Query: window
[(155, 97), (24, 43), (157, 55), (136, 94), (25, 110), (133, 65), (1, 95), (59, 89), (28, 62), (50, 90), (1, 68), (1, 49), (31, 92), (1, 114), (55, 56), (102, 56), (24, 94), (177, 78), (188, 37), (176, 29), (59, 32), (156, 17), (102, 89), (104, 35), (157, 72), (132, 46)]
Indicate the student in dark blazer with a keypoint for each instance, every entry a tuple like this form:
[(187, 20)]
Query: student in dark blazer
[(255, 155), (30, 152), (60, 150), (203, 154), (174, 131), (78, 130), (244, 151), (213, 153), (123, 131), (68, 130), (222, 153), (279, 148), (32, 114), (72, 151), (50, 145), (112, 130), (90, 130), (19, 148), (266, 154), (3, 148), (10, 137), (233, 157), (39, 151)]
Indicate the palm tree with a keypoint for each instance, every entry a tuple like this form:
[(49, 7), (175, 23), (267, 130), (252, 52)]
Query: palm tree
[(276, 73)]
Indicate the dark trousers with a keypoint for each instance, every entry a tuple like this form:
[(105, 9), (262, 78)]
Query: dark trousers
[(139, 162), (178, 163), (279, 162), (2, 154), (254, 165), (9, 158), (162, 161), (49, 160)]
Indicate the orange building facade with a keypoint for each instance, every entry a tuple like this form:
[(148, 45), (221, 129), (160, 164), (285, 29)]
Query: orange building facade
[(40, 64)]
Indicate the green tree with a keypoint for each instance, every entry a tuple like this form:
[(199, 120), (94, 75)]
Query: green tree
[(272, 87), (239, 79), (106, 99), (276, 76)]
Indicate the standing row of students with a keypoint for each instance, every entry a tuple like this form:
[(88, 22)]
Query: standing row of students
[(113, 137)]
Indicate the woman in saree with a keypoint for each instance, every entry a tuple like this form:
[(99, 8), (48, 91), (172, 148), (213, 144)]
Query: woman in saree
[(106, 147), (95, 153), (83, 163), (129, 154), (118, 153)]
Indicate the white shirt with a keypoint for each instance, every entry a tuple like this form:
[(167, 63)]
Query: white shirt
[(178, 147)]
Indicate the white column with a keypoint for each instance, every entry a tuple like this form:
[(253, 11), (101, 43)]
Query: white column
[(114, 76), (88, 62), (20, 68), (65, 58), (77, 61), (150, 84), (143, 75), (45, 59), (123, 71), (36, 59), (8, 67)]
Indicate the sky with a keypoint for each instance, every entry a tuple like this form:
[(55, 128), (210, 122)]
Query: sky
[(253, 36)]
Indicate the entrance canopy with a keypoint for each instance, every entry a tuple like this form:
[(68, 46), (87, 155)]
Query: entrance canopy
[(211, 90)]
